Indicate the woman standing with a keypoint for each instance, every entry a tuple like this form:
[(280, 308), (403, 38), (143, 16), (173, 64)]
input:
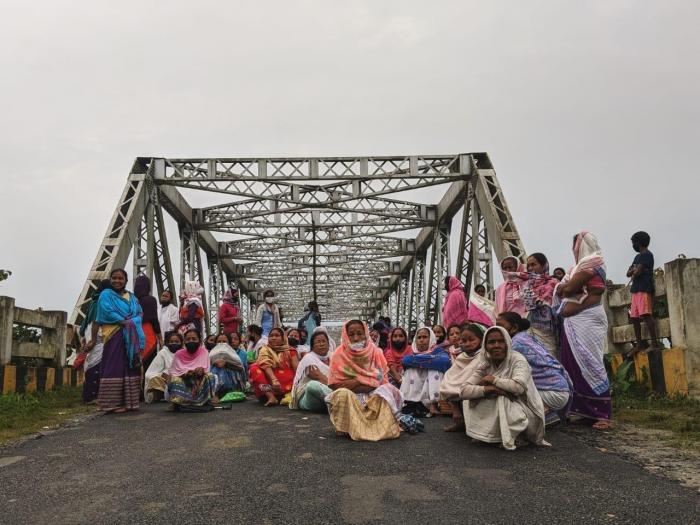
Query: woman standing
[(93, 345), (119, 316), (455, 310), (191, 308), (229, 315), (509, 294), (578, 300), (149, 321), (268, 314), (538, 292)]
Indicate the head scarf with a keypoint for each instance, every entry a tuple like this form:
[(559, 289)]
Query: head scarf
[(539, 289), (367, 366), (185, 361), (393, 356), (142, 286), (331, 342), (455, 309), (229, 297), (431, 344), (223, 351), (512, 287), (587, 254), (192, 293)]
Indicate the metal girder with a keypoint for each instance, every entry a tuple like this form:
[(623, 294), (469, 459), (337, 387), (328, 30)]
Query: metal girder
[(116, 244), (215, 291), (439, 270), (331, 228)]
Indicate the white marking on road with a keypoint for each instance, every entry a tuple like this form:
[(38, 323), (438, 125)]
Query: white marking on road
[(10, 460)]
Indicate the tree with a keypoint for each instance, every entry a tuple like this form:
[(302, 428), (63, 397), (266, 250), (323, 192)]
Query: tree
[(4, 275)]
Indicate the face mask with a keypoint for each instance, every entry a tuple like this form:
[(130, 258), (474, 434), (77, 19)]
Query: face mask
[(209, 346), (192, 346), (357, 346), (441, 339), (164, 303), (293, 341), (635, 247), (399, 345), (174, 347), (269, 300)]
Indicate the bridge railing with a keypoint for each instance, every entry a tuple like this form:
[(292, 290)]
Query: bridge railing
[(51, 344), (677, 313)]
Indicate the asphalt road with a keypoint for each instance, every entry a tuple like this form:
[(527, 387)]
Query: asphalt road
[(258, 465)]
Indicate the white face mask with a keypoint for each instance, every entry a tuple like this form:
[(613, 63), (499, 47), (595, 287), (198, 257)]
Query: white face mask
[(357, 346), (269, 300)]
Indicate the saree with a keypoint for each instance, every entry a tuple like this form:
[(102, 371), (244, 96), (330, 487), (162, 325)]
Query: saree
[(304, 387), (281, 364), (184, 387), (120, 377), (583, 338), (365, 416), (503, 418)]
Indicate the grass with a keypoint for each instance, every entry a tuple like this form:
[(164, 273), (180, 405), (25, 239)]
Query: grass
[(22, 414), (679, 415)]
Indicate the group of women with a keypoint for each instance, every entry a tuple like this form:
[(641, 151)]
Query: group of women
[(503, 370)]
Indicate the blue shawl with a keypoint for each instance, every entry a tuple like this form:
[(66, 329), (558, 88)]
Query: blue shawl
[(112, 308), (436, 359), (547, 372)]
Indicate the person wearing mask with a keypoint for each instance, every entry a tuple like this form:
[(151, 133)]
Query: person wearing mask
[(168, 314), (268, 314), (191, 387), (394, 354), (440, 334), (229, 314)]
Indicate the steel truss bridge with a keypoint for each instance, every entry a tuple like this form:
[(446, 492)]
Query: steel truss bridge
[(364, 235)]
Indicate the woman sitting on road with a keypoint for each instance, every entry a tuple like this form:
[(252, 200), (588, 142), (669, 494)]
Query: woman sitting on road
[(190, 385), (234, 341), (156, 375), (471, 340), (503, 401), (311, 380), (227, 367), (363, 405), (423, 372), (398, 349), (272, 374), (551, 380)]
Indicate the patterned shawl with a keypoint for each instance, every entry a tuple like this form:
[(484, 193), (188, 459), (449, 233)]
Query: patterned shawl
[(509, 295), (123, 311), (547, 372), (367, 366)]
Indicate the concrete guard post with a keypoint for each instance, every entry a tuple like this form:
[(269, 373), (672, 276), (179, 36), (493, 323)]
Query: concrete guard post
[(7, 319), (683, 295)]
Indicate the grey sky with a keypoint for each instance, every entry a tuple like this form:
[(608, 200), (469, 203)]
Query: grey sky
[(589, 110)]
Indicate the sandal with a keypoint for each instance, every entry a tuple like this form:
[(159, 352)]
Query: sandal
[(602, 425)]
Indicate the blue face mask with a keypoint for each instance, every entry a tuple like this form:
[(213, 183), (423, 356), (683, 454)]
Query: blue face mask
[(174, 347)]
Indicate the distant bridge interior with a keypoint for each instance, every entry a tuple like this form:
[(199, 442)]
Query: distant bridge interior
[(365, 236)]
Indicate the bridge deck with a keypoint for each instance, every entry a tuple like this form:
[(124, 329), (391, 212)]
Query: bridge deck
[(255, 465)]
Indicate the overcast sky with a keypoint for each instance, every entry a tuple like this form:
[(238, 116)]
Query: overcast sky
[(590, 110)]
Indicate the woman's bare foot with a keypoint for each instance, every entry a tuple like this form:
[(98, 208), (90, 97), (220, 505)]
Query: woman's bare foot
[(271, 400), (602, 425)]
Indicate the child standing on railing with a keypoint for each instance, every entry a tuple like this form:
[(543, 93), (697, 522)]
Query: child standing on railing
[(642, 274)]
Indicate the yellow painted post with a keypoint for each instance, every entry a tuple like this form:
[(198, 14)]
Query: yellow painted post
[(50, 379), (30, 385), (9, 383), (674, 371)]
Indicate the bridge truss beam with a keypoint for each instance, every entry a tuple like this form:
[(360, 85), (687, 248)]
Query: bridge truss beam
[(355, 231)]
